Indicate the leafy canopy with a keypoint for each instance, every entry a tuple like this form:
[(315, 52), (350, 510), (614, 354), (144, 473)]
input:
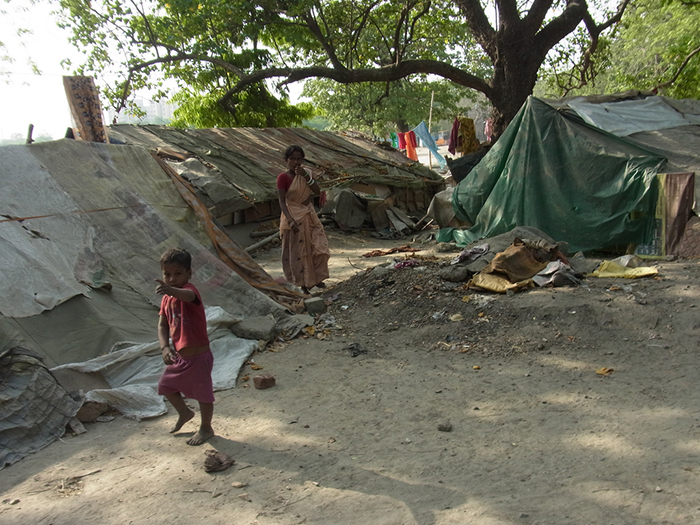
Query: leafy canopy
[(657, 46), (232, 50), (198, 46), (382, 108), (658, 41)]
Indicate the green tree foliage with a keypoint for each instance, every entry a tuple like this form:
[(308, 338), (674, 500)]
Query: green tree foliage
[(198, 45), (380, 108), (317, 122), (238, 46), (657, 46), (572, 69), (255, 107)]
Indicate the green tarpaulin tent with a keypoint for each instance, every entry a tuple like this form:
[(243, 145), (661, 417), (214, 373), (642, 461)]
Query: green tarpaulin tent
[(553, 171)]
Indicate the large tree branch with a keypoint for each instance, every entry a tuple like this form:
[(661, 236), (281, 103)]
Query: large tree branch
[(398, 50), (174, 55), (536, 15), (678, 71), (327, 46), (364, 18), (585, 66), (615, 18), (177, 56), (390, 52), (412, 28), (508, 13), (480, 26), (559, 27), (348, 76)]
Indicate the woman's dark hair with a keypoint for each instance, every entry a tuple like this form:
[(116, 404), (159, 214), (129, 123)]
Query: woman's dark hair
[(177, 256), (294, 149)]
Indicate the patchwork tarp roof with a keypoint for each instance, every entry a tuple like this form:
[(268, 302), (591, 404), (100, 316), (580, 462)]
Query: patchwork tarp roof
[(555, 172), (234, 168), (82, 228), (625, 117), (666, 126)]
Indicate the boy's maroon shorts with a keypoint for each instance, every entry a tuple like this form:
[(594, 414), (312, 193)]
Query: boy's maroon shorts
[(191, 376)]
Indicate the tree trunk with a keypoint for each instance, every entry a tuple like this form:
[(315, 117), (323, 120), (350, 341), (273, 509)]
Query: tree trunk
[(515, 75), (401, 126)]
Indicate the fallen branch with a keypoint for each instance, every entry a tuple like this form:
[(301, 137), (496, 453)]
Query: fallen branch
[(265, 241), (71, 479), (257, 235), (350, 263)]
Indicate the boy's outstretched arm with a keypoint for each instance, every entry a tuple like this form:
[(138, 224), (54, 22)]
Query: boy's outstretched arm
[(183, 294)]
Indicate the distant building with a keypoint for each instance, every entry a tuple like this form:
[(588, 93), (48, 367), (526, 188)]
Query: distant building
[(156, 113)]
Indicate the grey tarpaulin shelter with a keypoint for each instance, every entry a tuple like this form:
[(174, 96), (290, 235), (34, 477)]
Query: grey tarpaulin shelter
[(82, 226)]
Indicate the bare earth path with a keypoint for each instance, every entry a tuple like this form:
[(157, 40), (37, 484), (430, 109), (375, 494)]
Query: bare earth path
[(349, 434)]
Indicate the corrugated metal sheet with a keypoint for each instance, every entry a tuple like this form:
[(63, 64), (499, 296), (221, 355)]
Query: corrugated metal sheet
[(236, 168)]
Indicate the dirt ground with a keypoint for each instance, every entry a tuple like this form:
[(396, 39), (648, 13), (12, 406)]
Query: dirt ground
[(392, 413)]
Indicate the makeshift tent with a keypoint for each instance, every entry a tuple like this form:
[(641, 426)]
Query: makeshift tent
[(82, 226), (666, 126), (555, 172), (234, 170)]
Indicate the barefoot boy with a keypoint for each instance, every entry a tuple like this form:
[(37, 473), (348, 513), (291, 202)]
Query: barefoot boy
[(189, 359)]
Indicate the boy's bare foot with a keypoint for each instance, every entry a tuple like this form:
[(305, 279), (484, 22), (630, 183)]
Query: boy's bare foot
[(181, 421), (200, 437)]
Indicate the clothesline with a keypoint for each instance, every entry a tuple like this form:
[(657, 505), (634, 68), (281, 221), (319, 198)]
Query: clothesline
[(407, 141)]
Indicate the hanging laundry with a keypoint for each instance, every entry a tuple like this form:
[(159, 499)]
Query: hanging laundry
[(468, 143), (402, 141), (488, 129), (421, 131), (394, 140), (454, 137), (411, 145)]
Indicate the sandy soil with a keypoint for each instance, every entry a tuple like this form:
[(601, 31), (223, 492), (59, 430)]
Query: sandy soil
[(354, 430)]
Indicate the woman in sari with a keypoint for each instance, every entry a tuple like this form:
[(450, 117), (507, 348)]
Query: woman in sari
[(305, 251)]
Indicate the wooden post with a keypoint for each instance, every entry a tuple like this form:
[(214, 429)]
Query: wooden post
[(430, 122), (29, 134)]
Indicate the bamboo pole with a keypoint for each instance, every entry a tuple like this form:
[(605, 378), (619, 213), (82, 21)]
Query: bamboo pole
[(430, 123), (265, 241)]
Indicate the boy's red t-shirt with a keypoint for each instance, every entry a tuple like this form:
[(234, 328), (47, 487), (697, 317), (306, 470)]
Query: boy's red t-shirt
[(187, 321)]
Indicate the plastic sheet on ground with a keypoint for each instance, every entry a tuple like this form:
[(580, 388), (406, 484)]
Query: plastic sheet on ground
[(497, 283), (133, 370), (557, 273), (34, 408), (613, 269)]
